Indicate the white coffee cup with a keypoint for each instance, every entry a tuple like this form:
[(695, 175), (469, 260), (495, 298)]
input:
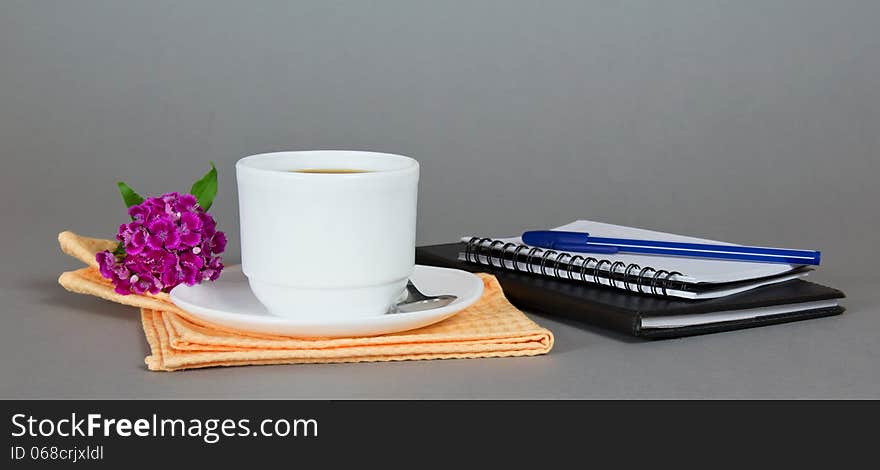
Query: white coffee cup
[(319, 246)]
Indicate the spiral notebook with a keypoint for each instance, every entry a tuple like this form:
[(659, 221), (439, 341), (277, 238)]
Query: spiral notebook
[(645, 315), (667, 276)]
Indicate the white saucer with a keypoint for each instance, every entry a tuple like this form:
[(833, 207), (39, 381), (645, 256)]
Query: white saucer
[(229, 302)]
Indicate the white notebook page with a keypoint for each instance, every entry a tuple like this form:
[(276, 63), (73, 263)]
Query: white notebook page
[(679, 321)]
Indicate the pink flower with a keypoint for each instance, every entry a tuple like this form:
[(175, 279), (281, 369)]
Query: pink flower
[(145, 283), (170, 240), (212, 271), (106, 262), (133, 237), (186, 203), (217, 243), (140, 213), (163, 234), (190, 229)]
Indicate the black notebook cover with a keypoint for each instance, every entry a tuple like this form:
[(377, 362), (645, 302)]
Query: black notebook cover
[(623, 311)]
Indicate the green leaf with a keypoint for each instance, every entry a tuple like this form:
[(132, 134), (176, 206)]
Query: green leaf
[(119, 252), (206, 188), (130, 197)]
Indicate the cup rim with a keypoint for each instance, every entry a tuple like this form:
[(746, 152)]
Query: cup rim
[(248, 162)]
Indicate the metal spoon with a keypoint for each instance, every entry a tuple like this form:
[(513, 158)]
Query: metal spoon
[(415, 301)]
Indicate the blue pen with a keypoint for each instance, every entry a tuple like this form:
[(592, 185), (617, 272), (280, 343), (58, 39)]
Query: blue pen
[(584, 243)]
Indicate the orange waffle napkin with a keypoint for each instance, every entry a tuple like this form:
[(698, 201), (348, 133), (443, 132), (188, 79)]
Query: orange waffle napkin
[(492, 327)]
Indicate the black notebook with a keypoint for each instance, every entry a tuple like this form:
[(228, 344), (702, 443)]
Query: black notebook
[(644, 315)]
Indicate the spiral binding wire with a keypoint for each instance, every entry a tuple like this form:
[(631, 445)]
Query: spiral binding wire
[(587, 269)]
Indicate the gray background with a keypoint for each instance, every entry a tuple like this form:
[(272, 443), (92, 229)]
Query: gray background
[(756, 122)]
